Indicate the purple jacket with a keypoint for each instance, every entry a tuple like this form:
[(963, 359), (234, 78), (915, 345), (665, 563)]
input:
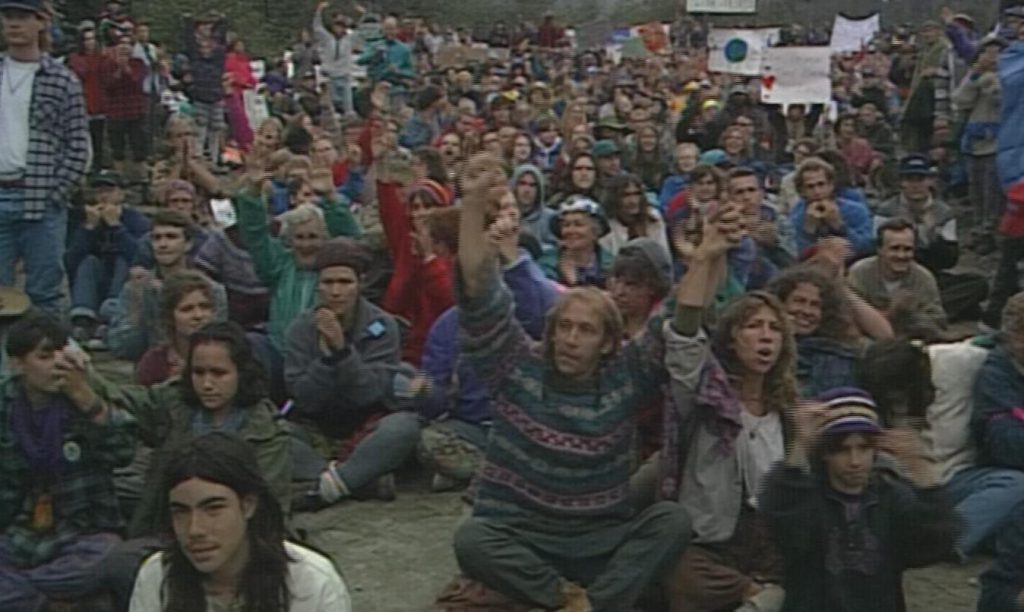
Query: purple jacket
[(468, 400)]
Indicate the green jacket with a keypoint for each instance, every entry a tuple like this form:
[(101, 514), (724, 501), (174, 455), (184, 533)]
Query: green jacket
[(83, 496), (165, 421), (292, 289)]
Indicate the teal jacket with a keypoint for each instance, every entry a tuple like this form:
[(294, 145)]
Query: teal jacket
[(388, 60), (292, 289)]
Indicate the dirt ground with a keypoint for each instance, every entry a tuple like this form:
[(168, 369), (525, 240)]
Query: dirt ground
[(397, 556)]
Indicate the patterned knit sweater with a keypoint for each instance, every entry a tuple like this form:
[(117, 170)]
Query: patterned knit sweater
[(558, 450)]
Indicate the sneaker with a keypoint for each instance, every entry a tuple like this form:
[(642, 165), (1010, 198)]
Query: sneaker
[(385, 488), (331, 487)]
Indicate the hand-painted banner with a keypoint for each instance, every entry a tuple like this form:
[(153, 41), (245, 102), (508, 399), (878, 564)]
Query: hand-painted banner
[(737, 51), (796, 75), (853, 34)]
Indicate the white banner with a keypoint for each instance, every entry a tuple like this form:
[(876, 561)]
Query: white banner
[(852, 35), (721, 6), (735, 51), (796, 75)]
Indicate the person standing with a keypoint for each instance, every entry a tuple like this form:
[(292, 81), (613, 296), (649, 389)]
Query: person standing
[(154, 84), (389, 59), (125, 99), (206, 48), (44, 152), (334, 47)]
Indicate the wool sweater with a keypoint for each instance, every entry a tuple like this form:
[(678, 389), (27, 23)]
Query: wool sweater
[(559, 452)]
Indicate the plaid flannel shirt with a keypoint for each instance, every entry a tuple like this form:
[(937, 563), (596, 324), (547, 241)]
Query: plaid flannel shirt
[(58, 146), (83, 496)]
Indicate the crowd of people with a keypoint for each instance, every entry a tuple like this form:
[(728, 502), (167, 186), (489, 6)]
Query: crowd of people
[(679, 349)]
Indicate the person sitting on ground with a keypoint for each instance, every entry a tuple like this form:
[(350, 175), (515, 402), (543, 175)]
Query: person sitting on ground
[(100, 251), (59, 441), (580, 260), (523, 539), (453, 447), (630, 215), (770, 231), (936, 246), (187, 301), (831, 324), (735, 392), (847, 531), (892, 279), (820, 213), (224, 259), (228, 548), (929, 388), (287, 269), (223, 388), (136, 324), (343, 370)]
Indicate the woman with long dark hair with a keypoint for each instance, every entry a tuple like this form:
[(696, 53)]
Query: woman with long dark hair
[(228, 550), (631, 215)]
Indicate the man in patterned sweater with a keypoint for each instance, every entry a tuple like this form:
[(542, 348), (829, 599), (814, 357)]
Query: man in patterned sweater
[(552, 525)]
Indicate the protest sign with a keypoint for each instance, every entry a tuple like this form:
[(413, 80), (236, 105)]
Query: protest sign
[(796, 75), (853, 34), (739, 51), (455, 56), (259, 69), (721, 6)]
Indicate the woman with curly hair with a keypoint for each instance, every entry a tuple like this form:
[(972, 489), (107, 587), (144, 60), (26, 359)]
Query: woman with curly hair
[(734, 390), (832, 325)]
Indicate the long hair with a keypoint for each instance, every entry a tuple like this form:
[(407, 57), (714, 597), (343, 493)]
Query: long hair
[(252, 378), (836, 316), (176, 287), (779, 392), (611, 318), (898, 367), (229, 461), (618, 187)]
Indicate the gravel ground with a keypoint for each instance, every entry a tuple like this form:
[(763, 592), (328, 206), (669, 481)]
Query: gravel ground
[(397, 556)]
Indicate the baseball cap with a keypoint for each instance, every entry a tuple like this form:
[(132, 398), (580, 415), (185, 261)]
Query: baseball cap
[(106, 178), (915, 165)]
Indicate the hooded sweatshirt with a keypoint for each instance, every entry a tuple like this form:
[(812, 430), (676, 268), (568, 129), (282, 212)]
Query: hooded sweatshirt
[(537, 223)]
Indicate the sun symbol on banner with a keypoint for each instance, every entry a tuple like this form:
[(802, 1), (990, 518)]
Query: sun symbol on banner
[(736, 50)]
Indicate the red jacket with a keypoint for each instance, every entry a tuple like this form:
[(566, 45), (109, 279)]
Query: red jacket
[(89, 69), (1012, 222), (418, 291), (124, 98)]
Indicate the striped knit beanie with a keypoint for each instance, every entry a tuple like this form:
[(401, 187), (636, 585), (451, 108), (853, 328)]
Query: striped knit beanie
[(849, 410), (436, 193)]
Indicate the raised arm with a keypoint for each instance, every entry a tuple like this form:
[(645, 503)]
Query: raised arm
[(485, 184)]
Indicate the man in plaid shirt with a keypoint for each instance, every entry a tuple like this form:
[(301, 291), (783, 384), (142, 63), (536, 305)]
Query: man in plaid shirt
[(59, 443), (44, 151)]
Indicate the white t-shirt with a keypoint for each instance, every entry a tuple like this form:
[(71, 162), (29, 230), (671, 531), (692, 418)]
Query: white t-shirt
[(15, 102), (760, 446), (314, 584)]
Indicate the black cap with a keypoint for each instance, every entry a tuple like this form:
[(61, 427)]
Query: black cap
[(916, 165), (36, 6), (106, 178)]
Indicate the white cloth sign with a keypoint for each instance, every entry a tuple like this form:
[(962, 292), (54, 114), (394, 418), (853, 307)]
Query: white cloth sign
[(854, 34), (255, 108), (721, 6), (737, 51), (259, 69), (796, 75)]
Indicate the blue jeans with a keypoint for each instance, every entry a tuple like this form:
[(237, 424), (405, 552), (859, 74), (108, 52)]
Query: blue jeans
[(341, 93), (985, 498), (98, 283), (73, 573), (40, 246)]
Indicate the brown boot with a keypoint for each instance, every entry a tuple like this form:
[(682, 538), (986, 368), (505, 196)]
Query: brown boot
[(575, 598)]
